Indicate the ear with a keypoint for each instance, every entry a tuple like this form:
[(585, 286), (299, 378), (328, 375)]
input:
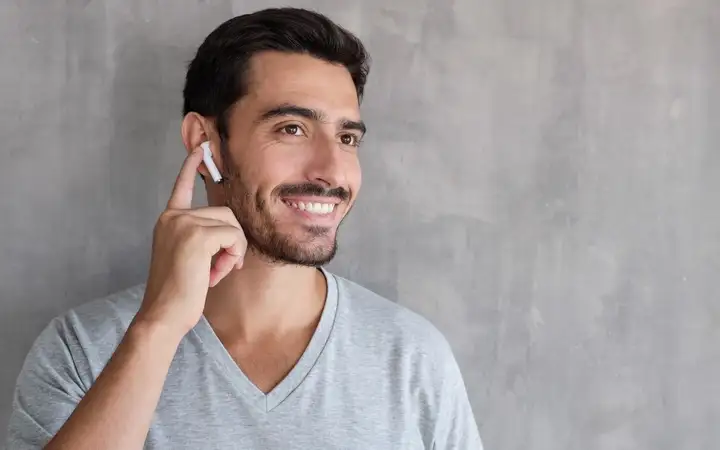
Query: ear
[(197, 129)]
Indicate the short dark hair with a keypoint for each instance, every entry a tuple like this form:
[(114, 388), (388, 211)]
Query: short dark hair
[(217, 75)]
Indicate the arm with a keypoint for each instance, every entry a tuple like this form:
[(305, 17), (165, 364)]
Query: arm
[(117, 410), (50, 394)]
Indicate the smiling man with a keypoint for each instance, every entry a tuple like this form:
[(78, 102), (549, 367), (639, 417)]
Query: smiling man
[(239, 338)]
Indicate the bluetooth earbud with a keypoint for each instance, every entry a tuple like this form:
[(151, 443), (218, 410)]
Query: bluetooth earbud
[(209, 163)]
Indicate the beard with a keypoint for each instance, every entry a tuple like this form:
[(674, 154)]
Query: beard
[(262, 230)]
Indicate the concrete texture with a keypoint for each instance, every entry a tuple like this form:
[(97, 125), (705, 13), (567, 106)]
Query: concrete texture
[(541, 181)]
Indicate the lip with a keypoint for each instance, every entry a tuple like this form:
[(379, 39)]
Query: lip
[(311, 199)]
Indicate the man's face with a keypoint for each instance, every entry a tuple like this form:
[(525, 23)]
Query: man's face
[(294, 170)]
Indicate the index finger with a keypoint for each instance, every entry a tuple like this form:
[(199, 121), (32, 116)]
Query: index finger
[(182, 193)]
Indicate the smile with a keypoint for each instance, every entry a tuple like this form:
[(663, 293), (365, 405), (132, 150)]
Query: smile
[(312, 207)]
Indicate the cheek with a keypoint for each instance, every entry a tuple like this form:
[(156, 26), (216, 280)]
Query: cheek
[(354, 175), (273, 168)]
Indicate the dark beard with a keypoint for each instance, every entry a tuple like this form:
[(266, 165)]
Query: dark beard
[(263, 237)]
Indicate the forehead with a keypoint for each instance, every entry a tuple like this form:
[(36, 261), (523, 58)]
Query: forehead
[(281, 78)]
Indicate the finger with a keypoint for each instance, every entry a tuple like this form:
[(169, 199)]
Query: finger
[(224, 264), (208, 221), (221, 213), (228, 244), (240, 262), (226, 238), (182, 193)]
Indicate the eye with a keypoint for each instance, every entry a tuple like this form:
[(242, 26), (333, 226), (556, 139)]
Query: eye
[(293, 130), (350, 139)]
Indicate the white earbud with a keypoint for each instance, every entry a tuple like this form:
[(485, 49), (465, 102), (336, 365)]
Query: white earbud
[(209, 163)]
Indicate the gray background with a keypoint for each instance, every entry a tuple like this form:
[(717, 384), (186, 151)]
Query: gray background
[(541, 181)]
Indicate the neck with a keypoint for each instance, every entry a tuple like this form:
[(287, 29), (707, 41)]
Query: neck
[(264, 299)]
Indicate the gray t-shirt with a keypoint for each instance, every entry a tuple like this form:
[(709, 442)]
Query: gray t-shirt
[(374, 376)]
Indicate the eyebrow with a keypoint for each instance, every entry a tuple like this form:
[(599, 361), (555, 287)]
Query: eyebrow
[(311, 114)]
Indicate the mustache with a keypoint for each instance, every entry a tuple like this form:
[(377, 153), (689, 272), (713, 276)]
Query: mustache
[(288, 190)]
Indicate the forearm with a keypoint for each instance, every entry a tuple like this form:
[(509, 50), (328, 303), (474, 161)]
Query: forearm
[(117, 410)]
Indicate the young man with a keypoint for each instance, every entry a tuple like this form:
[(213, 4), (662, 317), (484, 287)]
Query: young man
[(239, 339)]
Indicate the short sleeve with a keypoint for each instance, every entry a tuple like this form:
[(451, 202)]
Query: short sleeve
[(456, 427), (47, 391)]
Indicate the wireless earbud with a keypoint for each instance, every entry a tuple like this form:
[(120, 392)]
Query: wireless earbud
[(209, 163)]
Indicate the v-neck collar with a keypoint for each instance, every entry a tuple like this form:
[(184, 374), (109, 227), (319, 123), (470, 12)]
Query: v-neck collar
[(254, 396)]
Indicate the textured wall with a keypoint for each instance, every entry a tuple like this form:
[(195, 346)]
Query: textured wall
[(541, 181)]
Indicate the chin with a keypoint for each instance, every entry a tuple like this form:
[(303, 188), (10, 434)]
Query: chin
[(310, 247), (308, 255), (316, 247)]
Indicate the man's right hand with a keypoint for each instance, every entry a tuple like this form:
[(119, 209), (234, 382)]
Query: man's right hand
[(193, 249)]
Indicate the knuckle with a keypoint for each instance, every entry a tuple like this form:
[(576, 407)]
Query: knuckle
[(183, 220), (178, 224), (163, 221), (193, 233), (165, 217), (192, 238)]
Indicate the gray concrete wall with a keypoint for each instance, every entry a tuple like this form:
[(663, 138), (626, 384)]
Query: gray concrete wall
[(541, 181)]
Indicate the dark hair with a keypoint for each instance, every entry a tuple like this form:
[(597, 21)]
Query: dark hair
[(217, 76)]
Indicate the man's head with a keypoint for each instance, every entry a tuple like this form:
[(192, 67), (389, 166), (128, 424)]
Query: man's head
[(277, 92)]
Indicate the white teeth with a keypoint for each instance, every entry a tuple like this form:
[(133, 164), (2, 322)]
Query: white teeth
[(315, 208)]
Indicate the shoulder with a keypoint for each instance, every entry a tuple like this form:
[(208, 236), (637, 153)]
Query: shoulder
[(64, 362), (101, 322), (86, 336), (392, 326), (107, 315), (407, 348)]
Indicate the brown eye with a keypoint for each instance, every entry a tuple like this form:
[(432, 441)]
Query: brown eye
[(293, 130), (349, 139)]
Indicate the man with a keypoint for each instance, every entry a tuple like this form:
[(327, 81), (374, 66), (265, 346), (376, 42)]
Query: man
[(240, 339)]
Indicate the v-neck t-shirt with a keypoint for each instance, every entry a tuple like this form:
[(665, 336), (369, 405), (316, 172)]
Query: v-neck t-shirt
[(374, 375)]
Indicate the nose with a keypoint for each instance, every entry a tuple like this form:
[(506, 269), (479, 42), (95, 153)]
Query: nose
[(327, 166)]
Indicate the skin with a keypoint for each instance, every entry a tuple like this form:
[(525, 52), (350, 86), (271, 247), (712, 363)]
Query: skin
[(236, 261), (265, 314)]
